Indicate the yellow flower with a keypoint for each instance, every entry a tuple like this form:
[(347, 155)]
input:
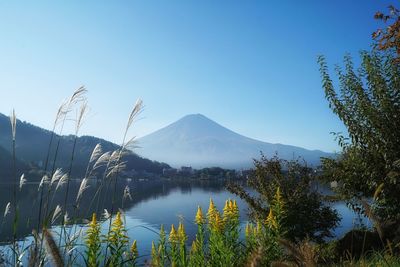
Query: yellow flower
[(231, 205), (162, 230), (214, 217), (181, 232), (278, 196), (194, 247), (154, 255), (235, 210), (212, 210), (134, 249), (271, 221), (254, 231), (153, 248), (258, 227), (93, 222), (228, 210), (92, 240), (199, 216), (173, 235), (117, 221), (118, 232), (118, 240), (218, 223), (248, 230), (92, 236), (231, 211), (235, 207)]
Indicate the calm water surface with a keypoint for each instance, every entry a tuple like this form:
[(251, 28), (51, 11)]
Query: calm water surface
[(153, 203)]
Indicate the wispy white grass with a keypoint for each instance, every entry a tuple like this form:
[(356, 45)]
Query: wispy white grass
[(82, 189), (56, 214), (13, 120), (45, 179), (127, 193), (7, 209), (96, 153), (22, 181), (56, 176), (63, 180)]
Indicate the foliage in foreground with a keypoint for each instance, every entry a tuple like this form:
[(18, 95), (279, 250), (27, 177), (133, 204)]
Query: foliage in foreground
[(368, 103), (217, 242), (367, 100), (103, 167), (302, 201)]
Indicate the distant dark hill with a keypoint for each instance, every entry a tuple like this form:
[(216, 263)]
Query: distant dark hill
[(200, 142), (32, 145), (6, 166)]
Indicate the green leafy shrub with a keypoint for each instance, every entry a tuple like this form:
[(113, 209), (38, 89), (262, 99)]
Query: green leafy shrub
[(302, 201), (368, 103)]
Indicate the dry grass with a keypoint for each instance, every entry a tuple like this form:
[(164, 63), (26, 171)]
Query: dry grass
[(52, 250)]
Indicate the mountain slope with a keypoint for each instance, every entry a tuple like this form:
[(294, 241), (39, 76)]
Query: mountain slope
[(200, 142), (6, 166), (32, 146)]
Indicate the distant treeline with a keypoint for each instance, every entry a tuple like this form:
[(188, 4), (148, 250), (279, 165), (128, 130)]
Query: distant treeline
[(32, 149)]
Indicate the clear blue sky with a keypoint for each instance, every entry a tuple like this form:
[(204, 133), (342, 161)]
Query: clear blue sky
[(249, 65)]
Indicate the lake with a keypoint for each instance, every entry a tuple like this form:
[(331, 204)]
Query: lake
[(153, 203)]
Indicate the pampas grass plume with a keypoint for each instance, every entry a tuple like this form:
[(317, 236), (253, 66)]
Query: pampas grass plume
[(52, 250)]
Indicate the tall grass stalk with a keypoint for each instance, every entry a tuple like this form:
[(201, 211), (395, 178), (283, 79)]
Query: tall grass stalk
[(61, 117), (106, 183), (99, 162), (115, 172), (13, 120), (105, 157), (78, 125), (97, 154), (77, 97), (60, 112), (95, 160), (52, 250)]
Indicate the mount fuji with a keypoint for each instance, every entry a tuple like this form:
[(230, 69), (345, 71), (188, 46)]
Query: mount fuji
[(198, 141)]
